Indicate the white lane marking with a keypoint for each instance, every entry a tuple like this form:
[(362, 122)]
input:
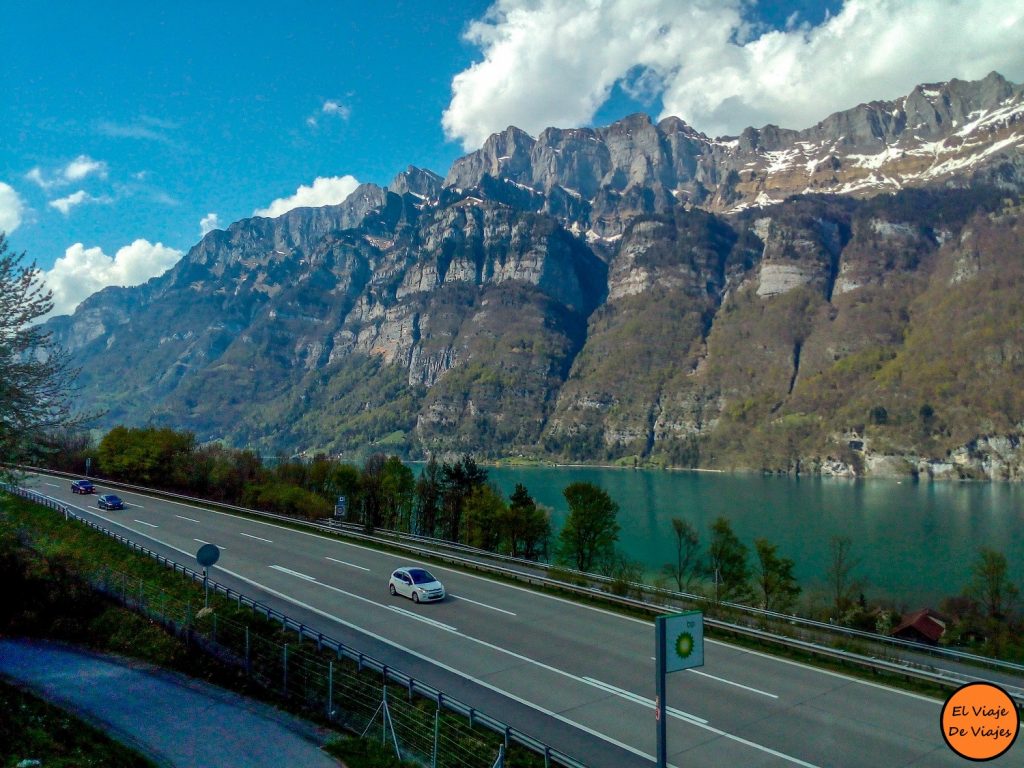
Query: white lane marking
[(290, 572), (424, 619), (258, 538), (482, 605), (350, 565), (190, 519), (201, 541), (638, 699), (335, 540), (52, 485), (727, 682), (133, 505), (731, 682), (143, 522)]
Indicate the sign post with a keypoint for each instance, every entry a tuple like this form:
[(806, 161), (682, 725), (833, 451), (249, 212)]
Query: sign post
[(679, 644), (207, 555)]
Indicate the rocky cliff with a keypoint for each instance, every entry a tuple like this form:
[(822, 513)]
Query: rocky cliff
[(635, 292)]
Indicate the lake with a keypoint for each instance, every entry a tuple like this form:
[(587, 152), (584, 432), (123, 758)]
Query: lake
[(916, 540)]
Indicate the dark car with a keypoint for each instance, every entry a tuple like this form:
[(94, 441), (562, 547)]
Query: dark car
[(82, 486), (110, 501)]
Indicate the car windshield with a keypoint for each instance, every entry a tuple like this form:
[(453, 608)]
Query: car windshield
[(114, 499), (419, 576)]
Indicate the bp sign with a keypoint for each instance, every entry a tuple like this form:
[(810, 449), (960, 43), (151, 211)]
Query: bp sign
[(678, 644), (684, 640)]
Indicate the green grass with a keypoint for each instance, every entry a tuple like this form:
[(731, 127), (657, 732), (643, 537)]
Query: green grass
[(31, 729)]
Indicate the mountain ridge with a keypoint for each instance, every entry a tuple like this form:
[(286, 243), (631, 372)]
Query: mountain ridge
[(601, 294)]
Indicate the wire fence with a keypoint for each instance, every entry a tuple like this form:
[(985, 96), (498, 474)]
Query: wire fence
[(320, 675)]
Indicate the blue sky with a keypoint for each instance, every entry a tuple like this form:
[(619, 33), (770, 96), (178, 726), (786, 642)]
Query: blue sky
[(124, 125)]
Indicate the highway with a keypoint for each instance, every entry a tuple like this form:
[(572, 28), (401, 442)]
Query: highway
[(578, 677)]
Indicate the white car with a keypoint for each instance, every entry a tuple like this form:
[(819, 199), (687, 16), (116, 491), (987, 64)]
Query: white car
[(417, 584)]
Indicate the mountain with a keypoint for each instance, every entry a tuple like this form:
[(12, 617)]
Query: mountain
[(843, 299)]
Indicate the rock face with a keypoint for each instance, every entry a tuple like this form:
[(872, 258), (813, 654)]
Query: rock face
[(633, 291)]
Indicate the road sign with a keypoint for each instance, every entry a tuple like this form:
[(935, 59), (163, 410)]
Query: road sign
[(684, 635), (207, 555), (341, 507), (678, 644)]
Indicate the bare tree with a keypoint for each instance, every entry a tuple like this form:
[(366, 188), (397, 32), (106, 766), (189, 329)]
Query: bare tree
[(842, 586), (687, 563), (35, 374)]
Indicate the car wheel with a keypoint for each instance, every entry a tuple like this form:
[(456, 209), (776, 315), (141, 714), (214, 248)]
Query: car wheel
[(391, 587), (415, 597)]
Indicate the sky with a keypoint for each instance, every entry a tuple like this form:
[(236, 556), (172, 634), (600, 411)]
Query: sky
[(128, 130)]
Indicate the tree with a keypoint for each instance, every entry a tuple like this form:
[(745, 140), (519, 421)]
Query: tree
[(687, 563), (372, 487), (525, 526), (35, 374), (991, 586), (773, 576), (588, 537), (458, 480), (842, 586), (483, 510), (727, 562), (398, 489), (428, 499)]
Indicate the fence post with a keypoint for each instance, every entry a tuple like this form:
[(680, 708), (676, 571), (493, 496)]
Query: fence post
[(330, 689), (437, 733), (215, 629), (248, 657), (124, 589), (285, 677)]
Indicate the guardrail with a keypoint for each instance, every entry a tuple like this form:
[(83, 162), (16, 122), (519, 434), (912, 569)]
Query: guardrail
[(510, 734), (469, 557)]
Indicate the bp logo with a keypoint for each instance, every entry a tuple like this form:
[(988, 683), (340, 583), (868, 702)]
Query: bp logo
[(684, 645)]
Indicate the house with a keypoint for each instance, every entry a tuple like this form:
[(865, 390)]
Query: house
[(923, 626)]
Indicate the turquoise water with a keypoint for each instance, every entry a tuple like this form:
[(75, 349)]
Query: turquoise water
[(916, 541)]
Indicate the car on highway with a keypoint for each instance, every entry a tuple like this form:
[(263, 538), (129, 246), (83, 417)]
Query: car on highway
[(418, 584), (109, 501), (82, 486)]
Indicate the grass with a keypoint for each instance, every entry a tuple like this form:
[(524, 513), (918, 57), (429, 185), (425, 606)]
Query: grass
[(32, 729)]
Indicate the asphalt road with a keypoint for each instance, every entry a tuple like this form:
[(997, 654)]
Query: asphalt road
[(580, 678)]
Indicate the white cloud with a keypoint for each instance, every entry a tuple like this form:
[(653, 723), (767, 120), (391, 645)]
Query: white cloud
[(82, 271), (551, 62), (326, 190), (82, 166), (208, 223), (11, 208), (65, 204), (332, 107), (79, 168), (36, 175)]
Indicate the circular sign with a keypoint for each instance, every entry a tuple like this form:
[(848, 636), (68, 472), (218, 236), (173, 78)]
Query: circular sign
[(207, 555), (980, 721)]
